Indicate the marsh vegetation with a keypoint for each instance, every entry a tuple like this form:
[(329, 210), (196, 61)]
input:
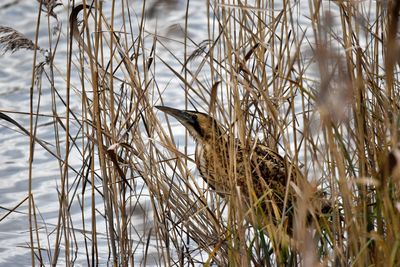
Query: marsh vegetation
[(317, 82)]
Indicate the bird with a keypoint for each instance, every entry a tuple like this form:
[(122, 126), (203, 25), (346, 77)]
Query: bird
[(268, 170)]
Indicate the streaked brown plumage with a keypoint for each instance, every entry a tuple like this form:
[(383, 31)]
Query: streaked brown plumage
[(268, 170)]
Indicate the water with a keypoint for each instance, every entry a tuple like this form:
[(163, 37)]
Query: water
[(167, 17)]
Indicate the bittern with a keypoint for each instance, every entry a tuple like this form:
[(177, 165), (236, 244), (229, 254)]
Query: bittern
[(269, 171)]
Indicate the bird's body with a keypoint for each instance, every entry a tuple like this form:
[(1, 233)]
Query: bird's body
[(225, 164), (266, 168)]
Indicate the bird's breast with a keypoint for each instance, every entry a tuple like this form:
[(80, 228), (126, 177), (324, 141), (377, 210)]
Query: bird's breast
[(212, 168)]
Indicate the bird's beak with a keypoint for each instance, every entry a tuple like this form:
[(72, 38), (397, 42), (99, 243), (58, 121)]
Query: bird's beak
[(184, 117)]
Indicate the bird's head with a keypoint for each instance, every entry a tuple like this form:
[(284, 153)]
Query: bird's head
[(201, 126)]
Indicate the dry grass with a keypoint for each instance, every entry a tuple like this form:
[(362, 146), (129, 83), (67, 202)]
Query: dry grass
[(326, 97)]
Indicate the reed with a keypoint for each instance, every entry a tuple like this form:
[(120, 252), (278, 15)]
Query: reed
[(323, 93)]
